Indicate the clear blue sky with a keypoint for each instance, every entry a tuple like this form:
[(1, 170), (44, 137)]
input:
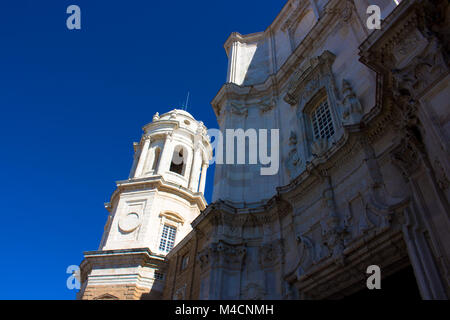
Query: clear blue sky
[(73, 102)]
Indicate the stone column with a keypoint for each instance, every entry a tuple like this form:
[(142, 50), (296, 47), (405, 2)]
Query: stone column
[(193, 181), (232, 62), (135, 160), (142, 157), (203, 178), (166, 156), (422, 260)]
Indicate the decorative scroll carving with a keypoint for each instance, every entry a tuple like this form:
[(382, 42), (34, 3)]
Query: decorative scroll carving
[(270, 253), (293, 161), (407, 158), (306, 81), (319, 147), (333, 234), (239, 111), (420, 70), (231, 255), (221, 254), (307, 253), (266, 105)]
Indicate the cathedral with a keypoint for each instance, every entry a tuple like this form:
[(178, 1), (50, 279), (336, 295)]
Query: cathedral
[(362, 116)]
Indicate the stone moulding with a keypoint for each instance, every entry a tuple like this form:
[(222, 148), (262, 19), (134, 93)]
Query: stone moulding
[(141, 256), (142, 184), (279, 80), (322, 278), (130, 277), (309, 78), (221, 254)]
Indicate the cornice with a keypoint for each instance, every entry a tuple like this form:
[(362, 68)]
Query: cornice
[(158, 182), (237, 37), (279, 81), (163, 128), (284, 17), (230, 91), (142, 256), (226, 211), (388, 35), (146, 252)]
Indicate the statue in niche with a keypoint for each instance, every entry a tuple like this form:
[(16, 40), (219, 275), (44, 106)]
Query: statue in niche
[(293, 160), (352, 108)]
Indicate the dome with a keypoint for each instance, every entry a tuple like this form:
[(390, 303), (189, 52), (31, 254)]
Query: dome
[(178, 112)]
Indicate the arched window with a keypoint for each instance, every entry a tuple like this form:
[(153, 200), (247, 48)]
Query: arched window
[(178, 164), (156, 158)]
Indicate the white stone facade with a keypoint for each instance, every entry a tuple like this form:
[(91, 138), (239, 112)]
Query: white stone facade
[(155, 195), (364, 173), (163, 194), (363, 179)]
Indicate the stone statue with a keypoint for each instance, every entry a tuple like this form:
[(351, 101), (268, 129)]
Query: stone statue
[(352, 107)]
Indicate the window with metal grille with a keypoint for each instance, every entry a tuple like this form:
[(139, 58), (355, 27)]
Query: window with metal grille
[(167, 238), (322, 121), (159, 276)]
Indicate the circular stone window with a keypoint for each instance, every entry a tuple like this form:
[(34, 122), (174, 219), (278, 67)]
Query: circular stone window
[(129, 222), (186, 122)]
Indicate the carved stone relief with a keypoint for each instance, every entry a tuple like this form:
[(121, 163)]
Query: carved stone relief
[(270, 253), (293, 160), (266, 105), (221, 254), (308, 79), (352, 108), (237, 110)]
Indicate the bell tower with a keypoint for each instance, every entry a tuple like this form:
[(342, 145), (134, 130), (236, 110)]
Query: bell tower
[(151, 211)]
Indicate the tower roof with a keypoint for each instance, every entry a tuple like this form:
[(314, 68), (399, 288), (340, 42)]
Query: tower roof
[(179, 111)]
